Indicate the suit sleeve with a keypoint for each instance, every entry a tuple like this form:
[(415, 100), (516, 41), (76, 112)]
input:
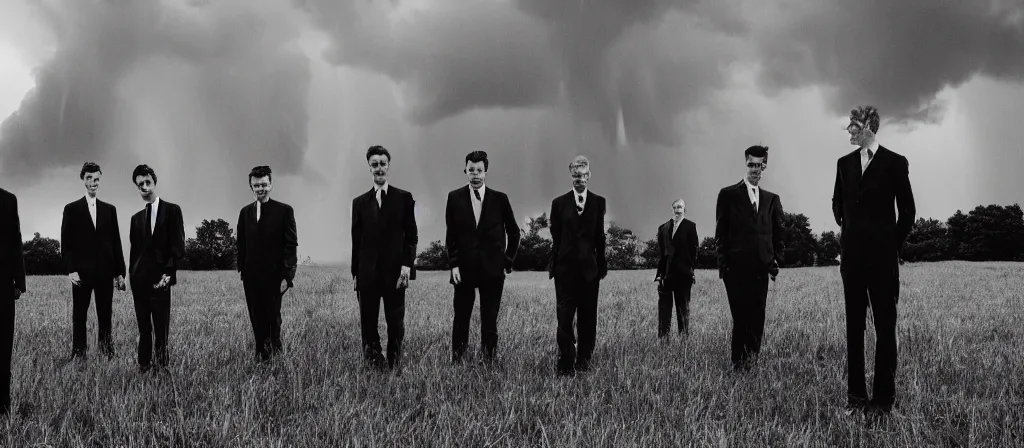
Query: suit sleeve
[(602, 262), (777, 229), (660, 272), (837, 195), (115, 241), (67, 242), (240, 241), (356, 236), (132, 237), (694, 245), (451, 237), (722, 229), (555, 225), (176, 239), (411, 234), (904, 203), (512, 233), (17, 256), (291, 244)]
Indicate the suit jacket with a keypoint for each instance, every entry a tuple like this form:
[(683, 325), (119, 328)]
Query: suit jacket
[(267, 248), (677, 255), (863, 208), (152, 257), (578, 241), (748, 242), (91, 250), (484, 251), (12, 263), (383, 240)]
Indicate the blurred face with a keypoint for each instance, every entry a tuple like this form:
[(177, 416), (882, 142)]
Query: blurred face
[(755, 166), (92, 182), (860, 133), (146, 186), (678, 208), (379, 165), (580, 177), (261, 187), (476, 173)]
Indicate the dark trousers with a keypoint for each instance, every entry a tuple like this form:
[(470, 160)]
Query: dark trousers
[(153, 312), (263, 299), (6, 349), (881, 293), (490, 303), (675, 290), (748, 294), (81, 295), (394, 315), (575, 297)]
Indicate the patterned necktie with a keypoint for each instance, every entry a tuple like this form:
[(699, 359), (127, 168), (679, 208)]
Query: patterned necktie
[(579, 203), (753, 203)]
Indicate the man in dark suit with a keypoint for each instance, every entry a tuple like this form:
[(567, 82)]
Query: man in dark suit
[(578, 265), (157, 239), (748, 229), (90, 246), (677, 256), (482, 238), (868, 181), (384, 238), (12, 276), (266, 250)]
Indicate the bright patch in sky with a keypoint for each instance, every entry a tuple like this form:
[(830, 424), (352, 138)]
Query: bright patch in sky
[(15, 77)]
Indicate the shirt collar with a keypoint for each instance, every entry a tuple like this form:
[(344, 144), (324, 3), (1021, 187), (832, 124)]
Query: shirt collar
[(377, 189), (156, 202), (749, 186), (873, 146), (91, 200), (584, 194), (482, 190)]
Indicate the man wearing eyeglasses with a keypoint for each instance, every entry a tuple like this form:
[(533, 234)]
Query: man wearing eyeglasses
[(482, 237), (868, 181), (384, 238), (578, 265), (748, 229)]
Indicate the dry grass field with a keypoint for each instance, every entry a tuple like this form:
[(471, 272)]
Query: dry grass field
[(960, 379)]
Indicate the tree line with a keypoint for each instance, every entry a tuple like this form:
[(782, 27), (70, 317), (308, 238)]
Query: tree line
[(987, 233)]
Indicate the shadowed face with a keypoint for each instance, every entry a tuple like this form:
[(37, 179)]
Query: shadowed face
[(379, 165), (146, 186), (580, 177), (678, 207), (92, 182), (261, 187), (860, 133), (755, 166), (476, 173)]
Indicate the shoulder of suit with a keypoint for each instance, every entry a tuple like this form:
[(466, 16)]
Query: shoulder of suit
[(280, 204), (459, 190), (689, 223)]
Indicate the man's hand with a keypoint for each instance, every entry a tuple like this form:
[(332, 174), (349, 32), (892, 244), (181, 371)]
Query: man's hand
[(456, 276), (164, 281), (403, 279), (75, 279), (119, 283), (285, 285), (17, 293), (774, 270)]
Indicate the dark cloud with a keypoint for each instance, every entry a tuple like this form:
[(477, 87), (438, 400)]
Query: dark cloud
[(896, 55), (245, 95), (597, 59)]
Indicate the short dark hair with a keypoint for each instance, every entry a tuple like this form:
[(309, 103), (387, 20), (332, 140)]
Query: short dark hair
[(478, 156), (143, 170), (89, 167), (260, 171), (756, 151), (867, 115), (377, 150)]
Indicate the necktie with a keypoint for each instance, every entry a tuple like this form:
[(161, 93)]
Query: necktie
[(864, 166), (477, 193), (383, 195), (149, 220), (579, 203), (754, 202)]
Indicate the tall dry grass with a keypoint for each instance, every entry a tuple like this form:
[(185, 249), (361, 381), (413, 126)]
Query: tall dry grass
[(960, 378)]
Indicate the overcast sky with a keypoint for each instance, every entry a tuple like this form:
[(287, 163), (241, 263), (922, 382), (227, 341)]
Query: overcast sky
[(663, 96)]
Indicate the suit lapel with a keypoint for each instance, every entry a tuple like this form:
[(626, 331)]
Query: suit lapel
[(84, 207), (467, 205), (484, 206), (667, 235), (101, 213), (161, 213), (761, 206)]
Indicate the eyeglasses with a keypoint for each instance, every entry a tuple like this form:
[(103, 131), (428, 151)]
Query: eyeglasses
[(580, 175), (753, 165), (378, 164)]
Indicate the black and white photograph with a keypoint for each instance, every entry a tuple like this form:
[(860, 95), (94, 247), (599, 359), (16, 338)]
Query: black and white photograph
[(608, 223)]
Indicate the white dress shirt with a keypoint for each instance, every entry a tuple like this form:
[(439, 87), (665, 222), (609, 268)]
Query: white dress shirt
[(864, 159), (377, 193), (582, 204), (753, 193), (478, 204), (153, 215), (675, 225), (91, 201)]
